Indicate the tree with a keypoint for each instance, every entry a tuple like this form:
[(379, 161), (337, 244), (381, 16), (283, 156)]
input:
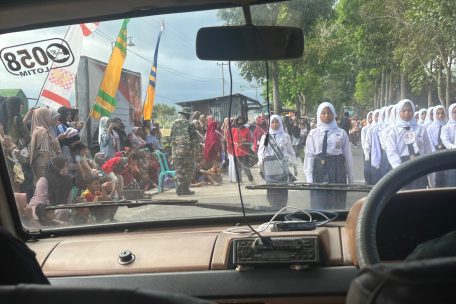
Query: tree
[(164, 113), (300, 13)]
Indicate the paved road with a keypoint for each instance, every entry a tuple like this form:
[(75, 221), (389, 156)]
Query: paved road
[(228, 193)]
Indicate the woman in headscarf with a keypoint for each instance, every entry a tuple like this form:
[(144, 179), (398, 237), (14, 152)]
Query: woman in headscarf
[(328, 159), (230, 150), (107, 138), (136, 140), (196, 115), (261, 129), (54, 188), (43, 146), (20, 137), (275, 155), (66, 135), (449, 141), (213, 145), (408, 140), (15, 126), (377, 150), (203, 123), (429, 117), (435, 132), (435, 128), (449, 130), (422, 116), (366, 142), (390, 121)]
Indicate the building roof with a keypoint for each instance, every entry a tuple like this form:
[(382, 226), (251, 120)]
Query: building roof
[(251, 103)]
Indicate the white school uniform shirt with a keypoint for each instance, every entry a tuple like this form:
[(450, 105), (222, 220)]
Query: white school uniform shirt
[(396, 147), (376, 148), (384, 134), (433, 128), (366, 141), (366, 138), (338, 144), (283, 142), (449, 130)]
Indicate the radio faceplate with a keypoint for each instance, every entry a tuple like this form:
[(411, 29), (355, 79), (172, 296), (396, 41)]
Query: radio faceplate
[(285, 250)]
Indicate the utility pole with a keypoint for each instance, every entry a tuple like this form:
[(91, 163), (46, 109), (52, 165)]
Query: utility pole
[(223, 77)]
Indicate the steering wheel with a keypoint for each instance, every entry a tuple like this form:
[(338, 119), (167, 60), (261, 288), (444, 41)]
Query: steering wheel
[(384, 190)]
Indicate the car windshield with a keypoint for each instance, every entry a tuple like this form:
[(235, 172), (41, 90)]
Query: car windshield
[(101, 117)]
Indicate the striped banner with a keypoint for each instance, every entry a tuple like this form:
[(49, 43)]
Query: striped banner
[(105, 102), (150, 93)]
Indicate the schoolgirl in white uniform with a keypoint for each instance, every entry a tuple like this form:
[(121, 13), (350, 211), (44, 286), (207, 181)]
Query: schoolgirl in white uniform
[(434, 132), (274, 157), (366, 142), (376, 147), (408, 140), (385, 166), (435, 128), (422, 116), (429, 117), (449, 130), (328, 159)]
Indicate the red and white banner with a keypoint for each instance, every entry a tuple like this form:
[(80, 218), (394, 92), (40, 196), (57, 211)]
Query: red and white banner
[(57, 89)]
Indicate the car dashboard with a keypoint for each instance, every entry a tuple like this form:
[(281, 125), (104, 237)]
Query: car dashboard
[(197, 261)]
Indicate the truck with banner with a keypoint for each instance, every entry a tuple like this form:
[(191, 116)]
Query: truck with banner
[(128, 96)]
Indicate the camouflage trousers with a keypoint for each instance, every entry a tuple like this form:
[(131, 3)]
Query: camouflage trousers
[(184, 172)]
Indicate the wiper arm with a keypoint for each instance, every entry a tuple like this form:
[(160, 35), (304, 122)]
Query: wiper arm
[(307, 186), (127, 203), (235, 208)]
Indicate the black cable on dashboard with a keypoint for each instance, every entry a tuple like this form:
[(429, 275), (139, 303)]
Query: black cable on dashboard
[(265, 240)]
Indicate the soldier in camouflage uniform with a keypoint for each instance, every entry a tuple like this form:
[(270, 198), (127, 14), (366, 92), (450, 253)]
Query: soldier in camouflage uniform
[(184, 141)]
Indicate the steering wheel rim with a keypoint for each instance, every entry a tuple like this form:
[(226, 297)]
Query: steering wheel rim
[(384, 190)]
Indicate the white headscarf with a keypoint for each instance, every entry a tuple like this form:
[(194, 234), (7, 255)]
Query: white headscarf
[(437, 122), (280, 129), (428, 119), (388, 112), (421, 121), (451, 120), (399, 121), (102, 128), (381, 117), (374, 123), (367, 118), (333, 124), (392, 117)]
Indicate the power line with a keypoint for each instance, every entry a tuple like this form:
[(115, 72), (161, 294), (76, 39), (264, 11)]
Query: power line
[(165, 68)]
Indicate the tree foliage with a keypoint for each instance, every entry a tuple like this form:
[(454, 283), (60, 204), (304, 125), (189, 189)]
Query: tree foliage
[(362, 52)]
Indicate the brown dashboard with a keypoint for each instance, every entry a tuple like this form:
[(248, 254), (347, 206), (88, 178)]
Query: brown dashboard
[(176, 250)]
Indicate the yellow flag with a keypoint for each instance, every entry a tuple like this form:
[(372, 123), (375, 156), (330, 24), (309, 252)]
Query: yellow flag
[(106, 102)]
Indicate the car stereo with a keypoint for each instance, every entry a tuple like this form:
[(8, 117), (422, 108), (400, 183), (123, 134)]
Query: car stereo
[(284, 250)]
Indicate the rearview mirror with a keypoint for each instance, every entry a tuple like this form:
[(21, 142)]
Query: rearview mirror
[(246, 42)]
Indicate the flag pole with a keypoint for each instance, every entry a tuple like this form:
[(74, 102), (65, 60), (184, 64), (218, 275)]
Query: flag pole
[(49, 72), (149, 100)]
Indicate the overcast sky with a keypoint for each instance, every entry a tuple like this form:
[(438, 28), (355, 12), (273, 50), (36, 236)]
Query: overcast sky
[(181, 76)]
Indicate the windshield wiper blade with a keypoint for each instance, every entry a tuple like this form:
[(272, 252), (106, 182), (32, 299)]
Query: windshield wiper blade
[(235, 208), (307, 186), (127, 203)]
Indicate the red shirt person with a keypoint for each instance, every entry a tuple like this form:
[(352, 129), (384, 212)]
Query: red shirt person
[(213, 145), (242, 147)]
